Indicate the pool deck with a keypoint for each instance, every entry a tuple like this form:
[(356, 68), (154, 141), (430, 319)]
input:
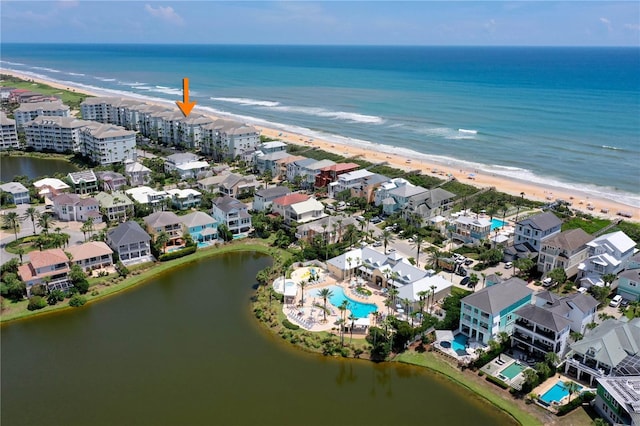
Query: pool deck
[(310, 317), (549, 383)]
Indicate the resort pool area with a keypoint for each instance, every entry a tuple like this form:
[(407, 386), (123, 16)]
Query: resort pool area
[(512, 370), (358, 309), (497, 223), (288, 284), (556, 393)]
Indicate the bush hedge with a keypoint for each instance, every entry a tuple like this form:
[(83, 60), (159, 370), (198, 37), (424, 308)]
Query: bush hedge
[(177, 254), (288, 324), (36, 302), (497, 381), (577, 402)]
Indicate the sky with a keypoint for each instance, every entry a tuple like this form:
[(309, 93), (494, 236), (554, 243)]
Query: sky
[(476, 23)]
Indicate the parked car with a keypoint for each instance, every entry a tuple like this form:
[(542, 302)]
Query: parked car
[(462, 272), (468, 262), (547, 282), (466, 281), (582, 290), (615, 302), (624, 303), (377, 244), (508, 265)]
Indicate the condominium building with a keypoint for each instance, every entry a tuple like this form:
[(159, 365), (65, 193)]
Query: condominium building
[(29, 111), (54, 133), (8, 132), (108, 143)]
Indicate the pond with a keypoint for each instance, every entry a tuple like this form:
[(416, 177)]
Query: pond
[(184, 349), (32, 167)]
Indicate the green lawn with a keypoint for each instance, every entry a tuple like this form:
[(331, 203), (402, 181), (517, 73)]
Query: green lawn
[(435, 363), (589, 226)]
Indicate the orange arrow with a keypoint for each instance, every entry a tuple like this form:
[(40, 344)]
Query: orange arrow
[(185, 106)]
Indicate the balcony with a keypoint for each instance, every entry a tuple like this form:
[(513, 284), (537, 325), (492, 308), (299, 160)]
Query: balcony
[(524, 324), (546, 333), (522, 337), (545, 347)]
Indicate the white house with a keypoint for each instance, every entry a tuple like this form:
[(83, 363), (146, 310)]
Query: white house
[(53, 133), (29, 111), (137, 173), (131, 242), (564, 250), (70, 207), (608, 254), (186, 165), (232, 213), (185, 198), (535, 229), (348, 181), (18, 194)]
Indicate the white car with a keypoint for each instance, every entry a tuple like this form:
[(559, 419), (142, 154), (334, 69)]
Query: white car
[(508, 265), (615, 302)]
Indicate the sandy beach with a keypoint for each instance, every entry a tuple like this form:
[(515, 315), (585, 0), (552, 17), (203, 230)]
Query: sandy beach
[(532, 191)]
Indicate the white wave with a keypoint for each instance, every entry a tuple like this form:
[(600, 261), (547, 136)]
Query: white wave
[(336, 115), (473, 132), (12, 63), (167, 90), (105, 79), (393, 126), (46, 69), (445, 132), (136, 84), (613, 148), (76, 74), (144, 87), (248, 101)]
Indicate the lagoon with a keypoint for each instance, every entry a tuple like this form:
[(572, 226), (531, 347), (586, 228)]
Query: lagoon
[(32, 167), (185, 349)]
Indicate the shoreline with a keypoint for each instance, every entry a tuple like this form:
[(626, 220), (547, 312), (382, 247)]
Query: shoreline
[(378, 153)]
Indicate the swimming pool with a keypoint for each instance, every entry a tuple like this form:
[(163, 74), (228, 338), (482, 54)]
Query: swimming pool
[(556, 393), (497, 223), (459, 343), (512, 370), (358, 309)]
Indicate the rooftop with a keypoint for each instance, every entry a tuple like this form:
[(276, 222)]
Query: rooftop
[(161, 219), (88, 250), (500, 296), (82, 176), (541, 221), (290, 199), (127, 233), (13, 188)]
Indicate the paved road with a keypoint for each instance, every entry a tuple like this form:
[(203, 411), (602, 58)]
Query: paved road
[(26, 229)]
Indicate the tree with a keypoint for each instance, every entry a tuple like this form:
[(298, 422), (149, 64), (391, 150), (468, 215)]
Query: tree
[(12, 288), (387, 237), (55, 296), (571, 387), (552, 359), (32, 214), (225, 233), (575, 336), (20, 252), (79, 279), (530, 378), (87, 228), (417, 244), (353, 319), (473, 279), (608, 279), (524, 265), (302, 285), (543, 370), (599, 293), (76, 301), (45, 221), (11, 220), (557, 275), (378, 340), (161, 241), (36, 302), (325, 293)]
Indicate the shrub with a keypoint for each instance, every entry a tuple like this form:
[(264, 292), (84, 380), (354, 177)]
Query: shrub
[(575, 403), (497, 381), (177, 254), (288, 324), (36, 302), (76, 301)]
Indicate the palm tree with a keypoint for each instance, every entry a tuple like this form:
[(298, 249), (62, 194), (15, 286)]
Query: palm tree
[(33, 214), (45, 220), (387, 237), (552, 359), (417, 244), (393, 292), (433, 296), (349, 260), (406, 303), (87, 228), (161, 240), (353, 320), (10, 220), (571, 387), (20, 252), (423, 295), (434, 255), (484, 278), (303, 284), (343, 310), (325, 293), (609, 278), (339, 221)]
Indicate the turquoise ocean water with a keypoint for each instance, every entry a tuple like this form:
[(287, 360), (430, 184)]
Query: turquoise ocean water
[(566, 117)]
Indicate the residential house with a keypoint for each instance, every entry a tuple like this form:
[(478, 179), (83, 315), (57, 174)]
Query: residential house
[(16, 193), (492, 310), (184, 199), (611, 349), (200, 226), (329, 174), (24, 96), (263, 199), (271, 147), (309, 172), (283, 163), (382, 193), (437, 202), (50, 187), (131, 242), (8, 132), (368, 186), (546, 325), (564, 250), (83, 182), (116, 206), (212, 183), (111, 181), (629, 283), (186, 165), (618, 400), (29, 111), (238, 186), (535, 229), (295, 168), (381, 269), (347, 182), (48, 267), (167, 222), (137, 173), (330, 228), (91, 255), (233, 214), (70, 207), (148, 197), (269, 162), (298, 208), (471, 229), (607, 254)]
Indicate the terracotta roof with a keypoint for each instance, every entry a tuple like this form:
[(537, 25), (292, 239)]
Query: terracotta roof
[(89, 250), (290, 199), (341, 166), (50, 257)]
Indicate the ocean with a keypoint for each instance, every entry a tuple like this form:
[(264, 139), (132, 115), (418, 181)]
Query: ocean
[(566, 117)]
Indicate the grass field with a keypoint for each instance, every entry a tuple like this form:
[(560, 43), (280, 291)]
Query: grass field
[(68, 97)]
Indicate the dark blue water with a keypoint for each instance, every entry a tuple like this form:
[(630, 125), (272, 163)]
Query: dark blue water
[(562, 116)]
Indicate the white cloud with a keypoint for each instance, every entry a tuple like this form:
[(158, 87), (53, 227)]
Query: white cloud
[(607, 23), (164, 13)]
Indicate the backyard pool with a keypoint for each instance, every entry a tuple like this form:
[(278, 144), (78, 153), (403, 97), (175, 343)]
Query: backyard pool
[(556, 393), (497, 223), (458, 344), (358, 309), (512, 370)]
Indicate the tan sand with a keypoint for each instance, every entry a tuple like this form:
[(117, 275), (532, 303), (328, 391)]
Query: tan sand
[(514, 187)]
